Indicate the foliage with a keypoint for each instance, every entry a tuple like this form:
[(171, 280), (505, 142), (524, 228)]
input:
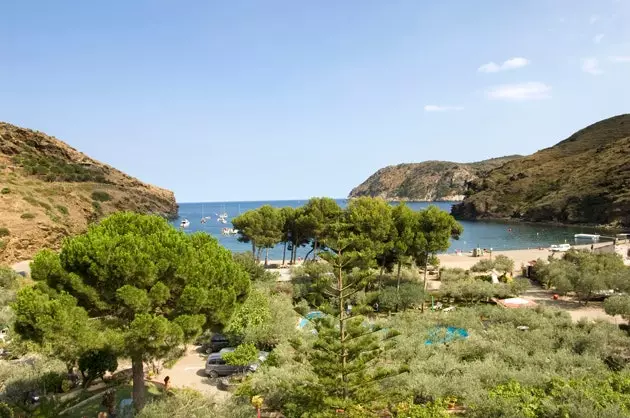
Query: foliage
[(262, 227), (62, 209), (243, 355), (8, 278), (5, 190), (264, 319), (253, 268), (559, 397), (482, 266), (36, 375), (435, 409), (6, 411), (503, 264), (52, 168), (56, 325), (101, 196), (584, 273), (158, 286), (188, 403), (27, 215), (4, 232), (94, 363), (618, 305), (394, 299)]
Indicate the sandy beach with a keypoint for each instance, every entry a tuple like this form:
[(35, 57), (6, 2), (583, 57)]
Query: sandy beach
[(520, 257)]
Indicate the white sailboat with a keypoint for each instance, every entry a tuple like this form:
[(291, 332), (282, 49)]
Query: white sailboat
[(184, 223)]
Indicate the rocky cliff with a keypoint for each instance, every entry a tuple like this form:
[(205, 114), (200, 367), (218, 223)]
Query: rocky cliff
[(49, 190), (426, 181), (583, 179)]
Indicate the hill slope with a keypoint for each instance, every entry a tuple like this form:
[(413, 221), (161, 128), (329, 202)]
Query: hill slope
[(49, 190), (583, 179), (426, 181)]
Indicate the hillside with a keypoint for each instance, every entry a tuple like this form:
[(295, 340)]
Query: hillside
[(49, 190), (426, 181), (583, 179)]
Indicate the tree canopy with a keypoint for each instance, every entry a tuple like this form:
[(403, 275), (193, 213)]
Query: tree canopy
[(156, 286)]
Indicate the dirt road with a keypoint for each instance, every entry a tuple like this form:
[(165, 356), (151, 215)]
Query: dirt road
[(189, 371)]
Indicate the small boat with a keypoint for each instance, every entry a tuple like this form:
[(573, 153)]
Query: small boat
[(560, 248), (184, 224), (229, 231), (592, 237)]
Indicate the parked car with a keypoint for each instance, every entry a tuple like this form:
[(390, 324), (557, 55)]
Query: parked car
[(216, 366), (216, 343)]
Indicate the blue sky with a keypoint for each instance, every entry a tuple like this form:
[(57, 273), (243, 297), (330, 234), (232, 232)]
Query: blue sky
[(253, 100)]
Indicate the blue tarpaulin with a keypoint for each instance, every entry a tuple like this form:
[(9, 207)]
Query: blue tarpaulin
[(442, 335)]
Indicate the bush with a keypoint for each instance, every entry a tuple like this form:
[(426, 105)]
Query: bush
[(27, 215), (618, 305), (93, 364), (4, 232), (453, 274), (482, 266), (62, 209), (503, 264), (256, 271), (6, 411), (243, 355), (101, 196), (8, 278), (409, 295), (5, 190)]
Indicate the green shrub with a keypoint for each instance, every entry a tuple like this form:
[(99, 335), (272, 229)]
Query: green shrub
[(4, 232), (27, 215), (482, 266), (101, 196), (5, 190), (62, 209)]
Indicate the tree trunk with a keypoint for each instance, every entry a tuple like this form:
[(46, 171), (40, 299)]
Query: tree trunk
[(138, 381), (315, 245), (308, 253), (398, 282), (424, 288), (253, 248), (284, 253), (266, 257)]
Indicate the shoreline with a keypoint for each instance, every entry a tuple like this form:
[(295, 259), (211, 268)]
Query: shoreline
[(466, 260)]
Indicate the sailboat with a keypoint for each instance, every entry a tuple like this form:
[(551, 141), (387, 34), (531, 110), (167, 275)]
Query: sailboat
[(203, 218), (184, 224)]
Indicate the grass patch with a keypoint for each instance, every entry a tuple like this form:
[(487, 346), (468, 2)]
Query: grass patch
[(2, 245), (101, 196), (93, 407), (27, 215), (62, 209), (4, 232), (5, 190), (35, 202)]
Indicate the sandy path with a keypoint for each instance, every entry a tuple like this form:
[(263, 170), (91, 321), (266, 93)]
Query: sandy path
[(189, 371)]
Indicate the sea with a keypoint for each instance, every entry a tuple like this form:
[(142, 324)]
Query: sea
[(498, 235)]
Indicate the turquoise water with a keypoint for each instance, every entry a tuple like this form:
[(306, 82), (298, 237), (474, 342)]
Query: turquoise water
[(485, 234)]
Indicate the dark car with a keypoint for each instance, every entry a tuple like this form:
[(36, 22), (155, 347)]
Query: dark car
[(216, 366), (217, 343)]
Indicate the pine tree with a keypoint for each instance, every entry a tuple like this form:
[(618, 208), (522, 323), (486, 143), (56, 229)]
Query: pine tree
[(346, 354)]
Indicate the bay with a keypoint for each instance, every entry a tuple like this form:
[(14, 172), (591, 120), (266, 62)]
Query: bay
[(498, 235)]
